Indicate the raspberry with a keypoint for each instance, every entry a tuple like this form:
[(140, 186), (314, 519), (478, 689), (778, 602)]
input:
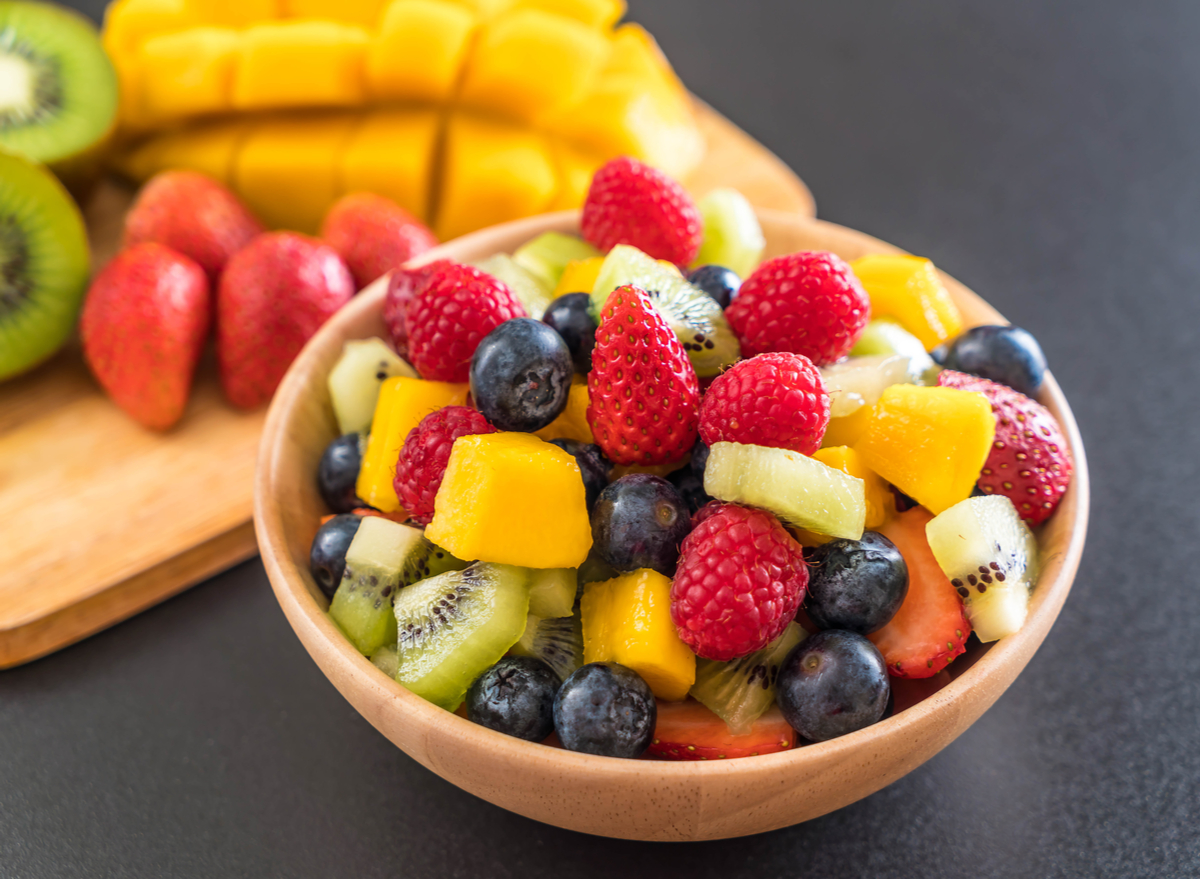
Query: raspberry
[(740, 580), (808, 303), (452, 308), (643, 398), (632, 203), (402, 286), (425, 454), (1030, 461), (776, 400)]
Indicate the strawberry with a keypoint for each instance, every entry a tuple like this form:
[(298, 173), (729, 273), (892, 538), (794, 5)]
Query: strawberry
[(450, 308), (1030, 461), (274, 295), (193, 214), (808, 303), (144, 325), (931, 628), (689, 731), (374, 235), (643, 399), (632, 203)]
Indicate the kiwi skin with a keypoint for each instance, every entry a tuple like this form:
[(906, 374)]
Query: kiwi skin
[(44, 265)]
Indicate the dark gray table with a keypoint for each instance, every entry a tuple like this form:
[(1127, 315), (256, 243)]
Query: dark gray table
[(1044, 153)]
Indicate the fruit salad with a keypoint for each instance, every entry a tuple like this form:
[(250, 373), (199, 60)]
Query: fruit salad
[(605, 494)]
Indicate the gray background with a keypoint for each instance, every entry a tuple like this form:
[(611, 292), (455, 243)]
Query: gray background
[(1045, 154)]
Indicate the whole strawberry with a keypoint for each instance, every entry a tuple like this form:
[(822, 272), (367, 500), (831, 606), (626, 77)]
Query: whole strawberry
[(425, 454), (374, 235), (776, 400), (1030, 462), (193, 214), (451, 308), (807, 303), (143, 327), (633, 203), (643, 398), (740, 580), (274, 295)]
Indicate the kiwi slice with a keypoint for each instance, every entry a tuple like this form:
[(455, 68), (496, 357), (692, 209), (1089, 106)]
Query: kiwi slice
[(732, 236), (386, 659), (58, 90), (546, 256), (557, 641), (535, 294), (440, 561), (740, 691), (355, 379), (383, 556), (43, 264), (454, 626), (695, 316), (552, 592)]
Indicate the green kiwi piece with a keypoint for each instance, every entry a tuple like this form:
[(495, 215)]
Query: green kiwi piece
[(740, 691), (547, 256), (454, 626), (552, 592), (557, 641), (386, 659), (533, 291), (43, 265), (383, 557), (58, 90)]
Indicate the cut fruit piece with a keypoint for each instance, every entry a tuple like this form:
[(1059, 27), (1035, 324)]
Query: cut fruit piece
[(861, 381), (695, 316), (440, 561), (732, 236), (361, 12), (579, 276), (594, 13), (909, 289), (848, 430), (43, 265), (552, 592), (355, 379), (418, 51), (387, 660), (557, 641), (188, 73), (880, 503), (885, 336), (930, 629), (572, 423), (391, 153), (533, 292), (452, 627), (234, 13), (628, 620), (383, 557), (402, 403), (991, 558), (689, 731), (129, 23), (575, 169), (209, 149), (548, 256), (798, 489), (741, 690), (300, 64), (514, 499), (931, 443)]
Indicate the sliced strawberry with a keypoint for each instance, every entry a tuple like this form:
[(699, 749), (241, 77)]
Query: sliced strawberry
[(930, 629), (689, 731)]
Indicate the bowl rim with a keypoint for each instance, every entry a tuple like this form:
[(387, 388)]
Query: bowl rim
[(299, 602)]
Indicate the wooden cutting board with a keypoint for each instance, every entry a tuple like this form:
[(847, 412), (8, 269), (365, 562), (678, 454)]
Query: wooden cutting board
[(102, 519)]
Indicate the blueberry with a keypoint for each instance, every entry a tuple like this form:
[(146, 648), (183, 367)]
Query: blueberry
[(327, 558), (690, 488), (571, 317), (1008, 355), (699, 460), (594, 467), (520, 375), (720, 283), (338, 472), (605, 709), (857, 585), (832, 683), (516, 697), (639, 522)]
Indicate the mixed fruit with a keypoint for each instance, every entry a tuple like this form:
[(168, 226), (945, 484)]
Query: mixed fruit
[(599, 493)]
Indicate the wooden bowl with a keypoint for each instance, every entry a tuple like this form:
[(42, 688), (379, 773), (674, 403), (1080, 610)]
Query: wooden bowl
[(632, 799)]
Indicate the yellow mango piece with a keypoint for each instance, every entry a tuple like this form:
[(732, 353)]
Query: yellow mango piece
[(931, 443), (234, 13), (392, 153), (418, 51), (402, 403), (909, 289), (598, 14), (129, 23), (364, 13), (484, 9), (492, 172), (188, 73), (209, 148), (514, 499), (572, 423), (300, 64), (575, 168), (579, 276), (845, 431), (527, 63), (628, 620), (879, 497)]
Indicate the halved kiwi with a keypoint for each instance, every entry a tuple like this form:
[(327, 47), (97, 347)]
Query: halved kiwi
[(58, 90), (43, 264)]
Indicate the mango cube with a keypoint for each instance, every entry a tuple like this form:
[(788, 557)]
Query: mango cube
[(579, 276), (391, 153), (419, 50), (513, 499), (575, 168), (234, 13), (572, 423), (188, 73), (129, 23), (909, 289), (628, 620), (847, 430), (364, 13), (402, 403), (593, 13), (879, 497), (931, 443), (208, 148), (300, 64)]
